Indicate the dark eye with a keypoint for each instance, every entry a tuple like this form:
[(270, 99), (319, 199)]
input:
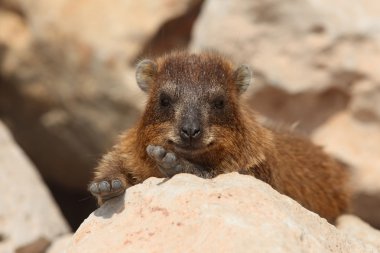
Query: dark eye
[(165, 101), (219, 103)]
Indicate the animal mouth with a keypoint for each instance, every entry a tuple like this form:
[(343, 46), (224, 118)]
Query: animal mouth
[(190, 146)]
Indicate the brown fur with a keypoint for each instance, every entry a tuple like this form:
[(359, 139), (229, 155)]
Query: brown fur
[(290, 164)]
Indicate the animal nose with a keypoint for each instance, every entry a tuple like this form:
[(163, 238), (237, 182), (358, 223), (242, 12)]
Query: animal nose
[(190, 131)]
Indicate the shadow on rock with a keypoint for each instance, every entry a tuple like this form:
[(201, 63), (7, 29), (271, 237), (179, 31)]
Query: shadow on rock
[(367, 207), (316, 107), (111, 207)]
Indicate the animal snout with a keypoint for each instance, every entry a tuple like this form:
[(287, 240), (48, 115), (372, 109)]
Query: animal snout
[(190, 130)]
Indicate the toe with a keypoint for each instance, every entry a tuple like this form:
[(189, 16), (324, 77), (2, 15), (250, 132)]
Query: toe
[(156, 152), (159, 152), (150, 149), (104, 186), (116, 184), (170, 158), (93, 188)]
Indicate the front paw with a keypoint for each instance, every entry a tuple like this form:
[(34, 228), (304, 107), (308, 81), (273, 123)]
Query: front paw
[(105, 189), (168, 163)]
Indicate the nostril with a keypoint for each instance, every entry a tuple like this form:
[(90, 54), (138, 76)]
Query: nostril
[(185, 132), (196, 132)]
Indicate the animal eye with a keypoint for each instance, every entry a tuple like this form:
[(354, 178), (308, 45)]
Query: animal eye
[(165, 101), (219, 103)]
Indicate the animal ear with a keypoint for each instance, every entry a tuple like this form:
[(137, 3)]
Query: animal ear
[(146, 71), (243, 78)]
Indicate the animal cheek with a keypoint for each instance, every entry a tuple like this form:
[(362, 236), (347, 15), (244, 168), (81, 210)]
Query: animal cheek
[(172, 135), (208, 137), (159, 133), (214, 132), (166, 131), (220, 133)]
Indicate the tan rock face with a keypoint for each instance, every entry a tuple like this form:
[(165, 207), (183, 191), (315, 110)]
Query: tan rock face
[(60, 244), (355, 143), (297, 46), (116, 30), (357, 228), (27, 210), (366, 102), (231, 213)]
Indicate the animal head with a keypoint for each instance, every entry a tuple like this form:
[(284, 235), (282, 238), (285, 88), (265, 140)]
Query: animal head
[(193, 99)]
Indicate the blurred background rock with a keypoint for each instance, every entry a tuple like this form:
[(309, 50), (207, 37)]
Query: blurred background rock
[(67, 85)]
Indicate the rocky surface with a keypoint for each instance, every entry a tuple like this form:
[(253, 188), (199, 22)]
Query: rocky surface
[(60, 244), (355, 143), (231, 213), (28, 213), (355, 227), (296, 56)]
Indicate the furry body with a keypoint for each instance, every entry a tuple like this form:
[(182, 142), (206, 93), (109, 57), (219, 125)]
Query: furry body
[(195, 123)]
